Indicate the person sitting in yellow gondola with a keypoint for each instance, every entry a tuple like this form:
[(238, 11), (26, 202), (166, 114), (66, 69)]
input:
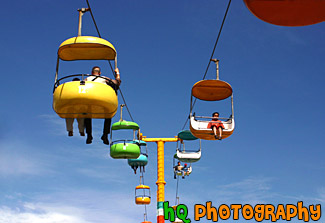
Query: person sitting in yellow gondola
[(178, 169), (69, 122), (107, 123), (216, 125)]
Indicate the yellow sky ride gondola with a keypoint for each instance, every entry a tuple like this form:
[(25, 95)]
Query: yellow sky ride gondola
[(86, 48), (142, 194), (288, 12), (211, 90), (84, 99), (145, 219)]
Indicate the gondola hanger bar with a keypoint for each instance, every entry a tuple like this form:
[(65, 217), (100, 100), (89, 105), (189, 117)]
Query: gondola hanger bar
[(81, 11)]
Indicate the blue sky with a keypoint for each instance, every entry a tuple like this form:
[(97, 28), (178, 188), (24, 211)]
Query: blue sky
[(276, 154)]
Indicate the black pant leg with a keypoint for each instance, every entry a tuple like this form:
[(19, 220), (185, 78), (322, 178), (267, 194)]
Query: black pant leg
[(107, 126), (88, 126)]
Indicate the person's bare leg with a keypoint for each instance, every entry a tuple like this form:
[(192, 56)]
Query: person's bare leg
[(214, 128), (220, 132)]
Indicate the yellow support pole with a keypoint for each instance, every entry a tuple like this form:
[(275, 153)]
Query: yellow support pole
[(160, 172)]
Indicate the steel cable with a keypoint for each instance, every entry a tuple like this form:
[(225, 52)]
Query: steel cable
[(214, 48), (93, 18)]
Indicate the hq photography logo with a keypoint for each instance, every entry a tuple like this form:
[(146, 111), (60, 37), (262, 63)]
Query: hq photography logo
[(258, 212)]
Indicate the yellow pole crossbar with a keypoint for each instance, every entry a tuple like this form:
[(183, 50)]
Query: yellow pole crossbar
[(160, 172)]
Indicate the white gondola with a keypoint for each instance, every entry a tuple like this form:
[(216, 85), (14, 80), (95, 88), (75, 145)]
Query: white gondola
[(177, 220), (211, 90), (185, 155), (199, 128), (188, 157)]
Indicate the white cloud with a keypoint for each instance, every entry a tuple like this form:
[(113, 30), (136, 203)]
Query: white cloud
[(57, 125), (102, 174), (16, 159), (33, 214), (72, 206), (321, 195), (252, 190)]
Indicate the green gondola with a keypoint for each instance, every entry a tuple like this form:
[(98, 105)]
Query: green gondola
[(126, 148)]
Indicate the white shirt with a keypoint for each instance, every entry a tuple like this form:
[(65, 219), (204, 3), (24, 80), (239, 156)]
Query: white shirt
[(96, 79)]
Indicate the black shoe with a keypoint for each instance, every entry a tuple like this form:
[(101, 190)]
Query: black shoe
[(105, 139), (216, 137), (174, 176), (89, 139), (183, 177), (220, 137)]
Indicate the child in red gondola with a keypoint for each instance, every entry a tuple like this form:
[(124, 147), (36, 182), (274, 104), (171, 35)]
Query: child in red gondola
[(216, 125)]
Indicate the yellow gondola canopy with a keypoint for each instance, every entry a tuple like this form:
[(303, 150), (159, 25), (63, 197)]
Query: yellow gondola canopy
[(141, 186), (86, 48), (211, 90)]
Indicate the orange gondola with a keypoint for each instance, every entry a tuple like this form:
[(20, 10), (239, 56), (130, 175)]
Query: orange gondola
[(288, 12)]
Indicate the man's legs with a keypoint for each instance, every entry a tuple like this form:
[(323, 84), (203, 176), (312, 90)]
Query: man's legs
[(69, 125), (81, 126), (88, 130), (106, 130)]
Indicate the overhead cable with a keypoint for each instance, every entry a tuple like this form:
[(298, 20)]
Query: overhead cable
[(214, 48), (93, 18)]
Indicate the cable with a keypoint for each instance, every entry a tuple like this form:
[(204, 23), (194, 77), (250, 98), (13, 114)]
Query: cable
[(215, 45), (145, 206), (93, 18), (127, 107), (176, 190), (214, 48), (145, 210)]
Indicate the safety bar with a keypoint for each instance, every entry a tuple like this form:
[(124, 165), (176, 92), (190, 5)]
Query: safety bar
[(143, 195), (122, 140), (57, 82), (189, 151), (207, 117)]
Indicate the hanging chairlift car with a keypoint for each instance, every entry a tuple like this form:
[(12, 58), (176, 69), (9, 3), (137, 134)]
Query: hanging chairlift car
[(142, 194), (145, 219), (177, 220), (211, 90), (180, 173), (288, 12), (184, 155), (142, 160), (124, 149), (84, 99), (142, 197)]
